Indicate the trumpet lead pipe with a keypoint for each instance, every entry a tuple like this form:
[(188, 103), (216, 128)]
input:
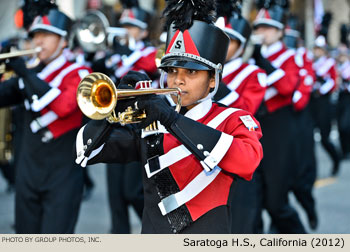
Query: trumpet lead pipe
[(19, 53)]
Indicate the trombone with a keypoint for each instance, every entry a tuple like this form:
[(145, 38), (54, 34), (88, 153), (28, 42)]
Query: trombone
[(97, 98)]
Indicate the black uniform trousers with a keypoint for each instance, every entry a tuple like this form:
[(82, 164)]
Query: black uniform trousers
[(321, 109), (277, 171), (49, 186), (125, 188), (343, 119), (245, 206), (303, 185)]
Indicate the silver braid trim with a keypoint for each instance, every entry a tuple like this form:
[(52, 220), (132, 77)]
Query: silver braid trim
[(195, 57)]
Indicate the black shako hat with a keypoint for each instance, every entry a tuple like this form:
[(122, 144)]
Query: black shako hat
[(273, 16), (55, 22), (291, 32), (193, 40), (236, 26), (201, 47), (135, 17)]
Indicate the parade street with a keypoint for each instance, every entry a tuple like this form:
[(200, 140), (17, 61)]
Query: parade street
[(332, 201)]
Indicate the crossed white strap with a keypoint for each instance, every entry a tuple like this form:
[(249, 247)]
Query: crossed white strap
[(203, 179)]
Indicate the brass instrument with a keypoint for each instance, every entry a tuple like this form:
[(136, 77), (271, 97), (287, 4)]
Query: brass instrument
[(94, 33), (97, 98), (5, 136), (6, 150), (18, 53)]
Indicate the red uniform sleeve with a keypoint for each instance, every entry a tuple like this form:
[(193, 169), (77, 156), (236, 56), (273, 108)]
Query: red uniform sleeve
[(66, 102), (245, 152), (287, 84), (302, 96), (252, 93), (147, 63), (334, 77)]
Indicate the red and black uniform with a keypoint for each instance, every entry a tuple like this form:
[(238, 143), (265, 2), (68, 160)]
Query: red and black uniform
[(321, 107), (187, 177), (343, 111), (244, 88), (282, 81), (48, 183), (301, 96), (306, 163), (326, 75), (276, 171)]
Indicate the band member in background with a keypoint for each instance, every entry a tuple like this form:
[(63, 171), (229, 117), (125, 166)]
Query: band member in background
[(134, 53), (243, 86), (321, 107), (305, 179), (48, 183), (188, 177), (343, 107), (277, 170)]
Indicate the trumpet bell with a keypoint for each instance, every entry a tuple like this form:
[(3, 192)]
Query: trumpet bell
[(96, 96)]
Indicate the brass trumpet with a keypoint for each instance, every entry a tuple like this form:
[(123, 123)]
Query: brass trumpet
[(18, 53), (97, 98)]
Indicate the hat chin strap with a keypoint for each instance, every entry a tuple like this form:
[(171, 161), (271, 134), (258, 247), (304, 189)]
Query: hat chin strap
[(58, 50), (238, 52), (210, 95)]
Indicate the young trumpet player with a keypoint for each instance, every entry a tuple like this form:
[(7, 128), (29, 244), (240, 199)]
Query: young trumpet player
[(49, 184), (191, 163)]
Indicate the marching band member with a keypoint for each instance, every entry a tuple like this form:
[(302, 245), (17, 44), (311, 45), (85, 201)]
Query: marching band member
[(48, 183), (326, 83), (303, 184), (343, 116), (191, 163), (243, 86), (135, 54), (277, 170)]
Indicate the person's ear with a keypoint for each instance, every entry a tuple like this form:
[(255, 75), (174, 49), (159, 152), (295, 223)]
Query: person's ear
[(144, 34), (212, 81), (279, 34), (65, 43)]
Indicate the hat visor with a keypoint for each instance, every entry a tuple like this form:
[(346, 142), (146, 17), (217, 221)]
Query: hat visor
[(267, 22), (41, 29), (183, 63)]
